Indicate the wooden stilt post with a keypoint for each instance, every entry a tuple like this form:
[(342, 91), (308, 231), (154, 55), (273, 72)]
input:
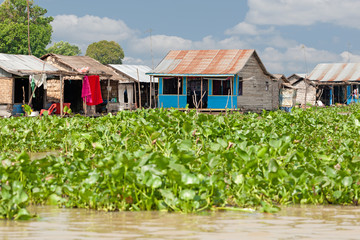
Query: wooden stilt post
[(138, 81), (150, 92), (61, 95), (178, 92), (201, 92)]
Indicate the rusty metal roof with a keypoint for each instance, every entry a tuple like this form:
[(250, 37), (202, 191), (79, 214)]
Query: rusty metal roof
[(203, 62), (335, 72), (24, 65)]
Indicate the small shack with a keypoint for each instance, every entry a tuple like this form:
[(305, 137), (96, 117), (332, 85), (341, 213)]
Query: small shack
[(337, 83), (306, 90), (136, 74), (216, 79), (16, 89), (72, 85), (287, 93)]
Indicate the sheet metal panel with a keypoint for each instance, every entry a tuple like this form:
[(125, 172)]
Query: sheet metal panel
[(131, 71), (336, 72), (17, 63), (203, 62)]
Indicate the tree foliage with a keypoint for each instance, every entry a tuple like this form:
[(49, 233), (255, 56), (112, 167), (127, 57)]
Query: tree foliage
[(14, 26), (106, 52), (64, 48)]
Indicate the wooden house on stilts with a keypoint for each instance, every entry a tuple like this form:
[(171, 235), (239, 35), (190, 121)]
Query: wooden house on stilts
[(215, 79)]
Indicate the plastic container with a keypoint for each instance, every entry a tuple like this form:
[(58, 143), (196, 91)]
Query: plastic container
[(17, 109), (58, 107)]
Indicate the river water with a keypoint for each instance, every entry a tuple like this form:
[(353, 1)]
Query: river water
[(299, 222)]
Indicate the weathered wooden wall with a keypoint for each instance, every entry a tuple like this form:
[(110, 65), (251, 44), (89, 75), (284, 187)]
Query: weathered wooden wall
[(53, 90), (114, 89), (301, 90), (255, 95), (6, 90)]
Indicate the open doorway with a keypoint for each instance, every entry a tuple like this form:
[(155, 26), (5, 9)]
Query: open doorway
[(197, 95), (38, 100), (72, 95), (21, 90)]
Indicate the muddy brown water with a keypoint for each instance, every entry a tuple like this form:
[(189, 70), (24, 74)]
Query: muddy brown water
[(310, 222)]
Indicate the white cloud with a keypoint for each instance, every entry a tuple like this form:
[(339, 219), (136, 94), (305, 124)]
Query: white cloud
[(304, 12), (131, 60), (349, 57), (88, 29), (298, 59), (245, 28)]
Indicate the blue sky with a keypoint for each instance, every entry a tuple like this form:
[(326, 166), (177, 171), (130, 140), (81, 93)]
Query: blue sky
[(290, 36)]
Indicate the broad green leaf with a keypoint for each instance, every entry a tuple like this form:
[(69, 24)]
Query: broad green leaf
[(273, 165), (187, 194), (347, 181)]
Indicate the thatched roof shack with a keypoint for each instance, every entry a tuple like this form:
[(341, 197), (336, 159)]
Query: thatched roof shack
[(109, 79), (14, 79), (216, 79)]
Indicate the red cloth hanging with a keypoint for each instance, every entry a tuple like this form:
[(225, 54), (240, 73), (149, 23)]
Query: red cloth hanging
[(95, 88)]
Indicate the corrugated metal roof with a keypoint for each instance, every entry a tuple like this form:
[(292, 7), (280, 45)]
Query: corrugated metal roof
[(131, 71), (203, 62), (336, 72), (23, 65)]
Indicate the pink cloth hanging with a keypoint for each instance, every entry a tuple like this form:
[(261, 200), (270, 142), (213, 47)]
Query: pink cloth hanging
[(96, 98), (86, 91)]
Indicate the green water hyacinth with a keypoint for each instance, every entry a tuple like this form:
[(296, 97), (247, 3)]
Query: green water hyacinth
[(170, 160)]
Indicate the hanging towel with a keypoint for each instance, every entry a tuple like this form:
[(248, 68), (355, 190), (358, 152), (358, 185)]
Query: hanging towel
[(95, 88), (40, 79), (86, 91)]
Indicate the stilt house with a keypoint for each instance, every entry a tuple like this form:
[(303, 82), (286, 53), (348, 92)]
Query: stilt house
[(15, 85), (215, 79), (337, 83), (110, 81)]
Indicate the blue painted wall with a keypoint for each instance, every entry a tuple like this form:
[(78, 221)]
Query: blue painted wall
[(214, 101), (219, 102), (169, 101)]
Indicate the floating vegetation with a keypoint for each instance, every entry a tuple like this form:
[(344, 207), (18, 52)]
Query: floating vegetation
[(181, 161)]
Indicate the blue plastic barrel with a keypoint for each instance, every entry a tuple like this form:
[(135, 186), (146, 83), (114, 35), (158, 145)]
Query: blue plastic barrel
[(17, 108)]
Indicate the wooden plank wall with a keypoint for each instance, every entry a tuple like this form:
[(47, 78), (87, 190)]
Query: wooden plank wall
[(255, 96), (311, 94)]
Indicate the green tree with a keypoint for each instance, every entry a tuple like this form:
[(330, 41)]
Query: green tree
[(106, 52), (64, 48), (14, 28)]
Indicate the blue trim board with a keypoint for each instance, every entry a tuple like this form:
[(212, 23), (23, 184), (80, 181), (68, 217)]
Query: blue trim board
[(331, 99), (184, 85), (160, 86)]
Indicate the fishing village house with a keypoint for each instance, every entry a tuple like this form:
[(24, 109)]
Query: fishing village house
[(215, 79), (137, 74), (336, 83), (306, 90), (110, 83), (16, 87)]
